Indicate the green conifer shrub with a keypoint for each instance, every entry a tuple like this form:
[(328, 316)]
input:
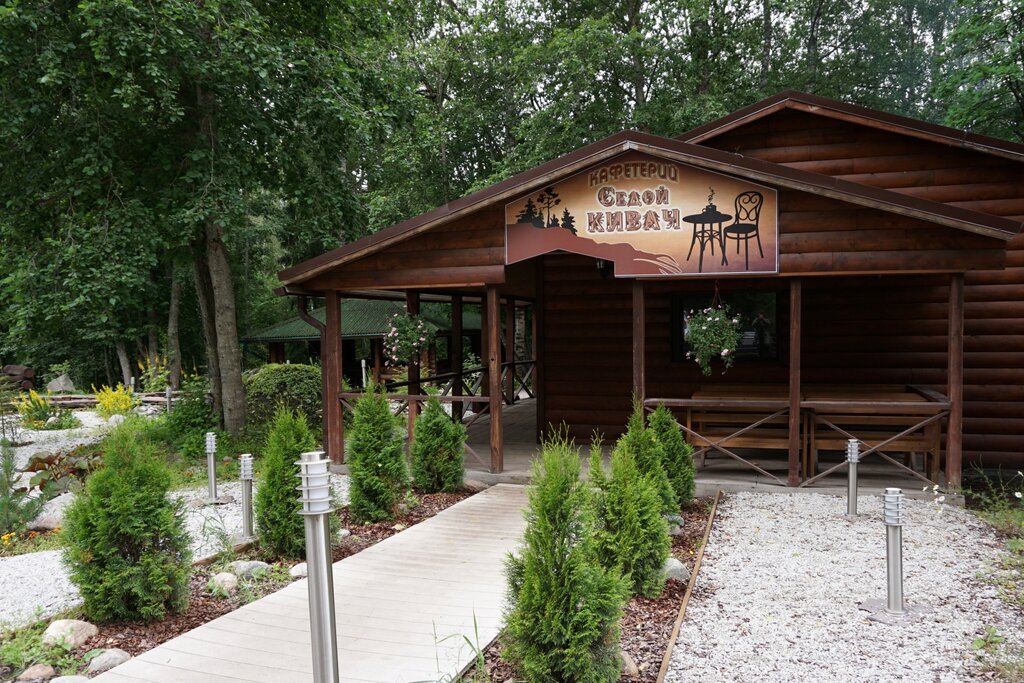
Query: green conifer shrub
[(632, 535), (376, 464), (280, 527), (17, 506), (678, 454), (649, 456), (438, 450), (125, 540), (562, 618), (293, 385)]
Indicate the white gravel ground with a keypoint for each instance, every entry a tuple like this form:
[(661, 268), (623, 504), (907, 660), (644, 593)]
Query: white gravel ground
[(93, 429), (778, 592)]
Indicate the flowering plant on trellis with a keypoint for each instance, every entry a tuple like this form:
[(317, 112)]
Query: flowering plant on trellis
[(713, 332), (406, 336)]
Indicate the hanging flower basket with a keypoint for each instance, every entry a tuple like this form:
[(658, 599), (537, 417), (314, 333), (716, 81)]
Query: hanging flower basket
[(713, 333), (405, 338)]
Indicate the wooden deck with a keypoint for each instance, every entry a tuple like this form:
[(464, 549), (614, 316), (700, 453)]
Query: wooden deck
[(403, 607)]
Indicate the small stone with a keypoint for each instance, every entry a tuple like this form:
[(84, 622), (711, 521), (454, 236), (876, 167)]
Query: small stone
[(676, 570), (299, 571), (107, 660), (675, 530), (115, 420), (629, 668), (474, 485), (52, 420), (225, 582), (71, 632), (344, 533), (399, 527), (227, 459), (195, 504), (52, 516), (247, 569), (38, 672)]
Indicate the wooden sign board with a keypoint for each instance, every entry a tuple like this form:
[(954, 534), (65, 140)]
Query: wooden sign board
[(651, 217)]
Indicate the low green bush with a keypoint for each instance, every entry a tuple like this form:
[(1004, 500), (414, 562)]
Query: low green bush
[(643, 446), (562, 619), (280, 527), (438, 450), (632, 535), (294, 386), (17, 507), (678, 454), (125, 540), (376, 464)]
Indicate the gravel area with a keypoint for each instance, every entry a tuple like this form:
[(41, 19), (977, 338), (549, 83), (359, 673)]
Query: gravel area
[(93, 429), (36, 585), (777, 596)]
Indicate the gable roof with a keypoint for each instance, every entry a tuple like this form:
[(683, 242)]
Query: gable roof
[(695, 155), (823, 106)]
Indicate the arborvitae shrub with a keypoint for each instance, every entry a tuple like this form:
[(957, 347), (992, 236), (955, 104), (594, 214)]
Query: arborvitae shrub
[(678, 454), (649, 457), (632, 535), (438, 450), (562, 620), (376, 464), (281, 528), (125, 540)]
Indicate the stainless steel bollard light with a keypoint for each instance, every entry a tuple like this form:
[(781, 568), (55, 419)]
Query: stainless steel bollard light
[(893, 507), (211, 465), (245, 472), (316, 509), (167, 397), (852, 458)]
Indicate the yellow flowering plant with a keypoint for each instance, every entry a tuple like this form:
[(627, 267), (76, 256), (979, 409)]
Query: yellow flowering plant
[(116, 401)]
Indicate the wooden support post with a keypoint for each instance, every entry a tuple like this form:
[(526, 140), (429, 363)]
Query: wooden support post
[(494, 376), (378, 359), (510, 348), (538, 351), (334, 424), (955, 382), (795, 310), (639, 345), (455, 353), (412, 307)]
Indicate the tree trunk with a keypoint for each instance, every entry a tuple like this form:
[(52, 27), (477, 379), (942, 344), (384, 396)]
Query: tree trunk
[(173, 345), (204, 294), (126, 365), (229, 349)]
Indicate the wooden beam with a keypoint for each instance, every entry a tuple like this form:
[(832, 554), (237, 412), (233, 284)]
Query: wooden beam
[(494, 376), (538, 352), (412, 307), (639, 339), (334, 424), (455, 353), (795, 309), (510, 347), (955, 379)]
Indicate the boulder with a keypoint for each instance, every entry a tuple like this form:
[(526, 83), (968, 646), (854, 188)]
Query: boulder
[(61, 385), (675, 530), (344, 533), (474, 485), (225, 582), (71, 632), (38, 672), (115, 420), (52, 516), (629, 668), (676, 570), (247, 569), (107, 660), (299, 571)]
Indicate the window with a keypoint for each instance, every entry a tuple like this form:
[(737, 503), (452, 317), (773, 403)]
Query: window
[(758, 314)]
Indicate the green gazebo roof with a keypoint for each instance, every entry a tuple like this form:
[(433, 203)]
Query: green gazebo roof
[(359, 318)]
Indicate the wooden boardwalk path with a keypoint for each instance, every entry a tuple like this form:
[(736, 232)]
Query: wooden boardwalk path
[(402, 605)]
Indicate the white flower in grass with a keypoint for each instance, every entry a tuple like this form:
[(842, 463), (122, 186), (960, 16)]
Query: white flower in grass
[(1018, 495)]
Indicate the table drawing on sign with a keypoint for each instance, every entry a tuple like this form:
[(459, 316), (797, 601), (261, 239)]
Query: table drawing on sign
[(705, 231)]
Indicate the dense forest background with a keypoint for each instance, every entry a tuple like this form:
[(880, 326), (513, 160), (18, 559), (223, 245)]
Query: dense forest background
[(160, 162)]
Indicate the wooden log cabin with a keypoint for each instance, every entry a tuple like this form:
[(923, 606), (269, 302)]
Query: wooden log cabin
[(875, 260)]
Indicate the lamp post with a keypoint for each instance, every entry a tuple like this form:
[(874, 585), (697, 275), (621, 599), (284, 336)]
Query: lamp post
[(893, 506), (852, 458), (211, 465), (245, 472), (315, 488)]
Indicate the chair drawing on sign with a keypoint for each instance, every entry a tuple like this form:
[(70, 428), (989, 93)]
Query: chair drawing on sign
[(745, 227)]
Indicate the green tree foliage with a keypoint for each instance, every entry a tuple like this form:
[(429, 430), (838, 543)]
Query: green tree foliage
[(125, 540), (562, 619), (438, 450), (376, 463), (278, 523), (17, 507), (677, 454), (644, 448), (632, 535), (295, 386)]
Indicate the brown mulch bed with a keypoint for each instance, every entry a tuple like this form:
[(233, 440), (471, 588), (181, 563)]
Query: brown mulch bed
[(136, 637), (647, 623)]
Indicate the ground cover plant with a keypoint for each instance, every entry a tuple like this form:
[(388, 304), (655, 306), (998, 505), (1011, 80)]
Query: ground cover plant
[(126, 544), (562, 623), (279, 525), (438, 450), (376, 462), (39, 412)]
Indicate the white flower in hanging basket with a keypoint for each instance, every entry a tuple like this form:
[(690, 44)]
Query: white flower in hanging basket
[(714, 333)]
